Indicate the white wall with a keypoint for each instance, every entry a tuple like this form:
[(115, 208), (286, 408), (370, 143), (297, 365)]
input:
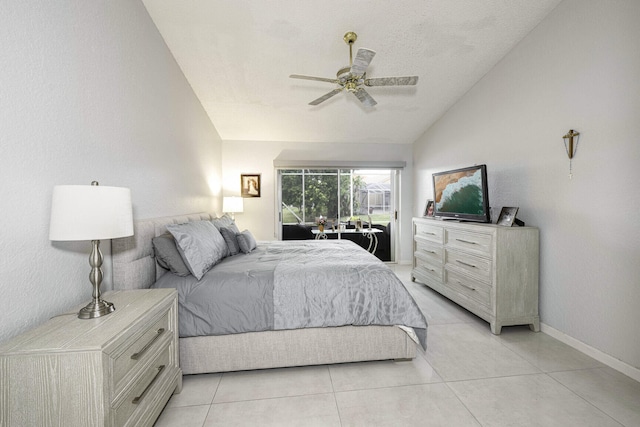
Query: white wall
[(257, 157), (577, 70), (89, 92)]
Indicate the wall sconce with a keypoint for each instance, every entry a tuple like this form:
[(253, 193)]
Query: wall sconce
[(571, 146)]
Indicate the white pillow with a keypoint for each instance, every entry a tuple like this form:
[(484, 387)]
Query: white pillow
[(200, 244)]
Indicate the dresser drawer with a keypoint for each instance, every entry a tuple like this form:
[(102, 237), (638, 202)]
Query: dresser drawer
[(138, 350), (479, 243), (427, 269), (428, 232), (145, 386), (475, 266), (473, 289), (430, 252)]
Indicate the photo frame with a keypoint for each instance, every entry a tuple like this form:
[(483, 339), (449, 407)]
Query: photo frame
[(507, 216), (250, 185), (428, 208)]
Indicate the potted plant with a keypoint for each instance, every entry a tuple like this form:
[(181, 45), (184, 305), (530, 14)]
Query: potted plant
[(321, 223)]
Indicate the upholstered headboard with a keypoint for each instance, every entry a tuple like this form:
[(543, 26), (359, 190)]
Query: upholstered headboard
[(134, 264)]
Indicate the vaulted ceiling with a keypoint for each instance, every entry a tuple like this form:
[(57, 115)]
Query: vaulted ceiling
[(238, 55)]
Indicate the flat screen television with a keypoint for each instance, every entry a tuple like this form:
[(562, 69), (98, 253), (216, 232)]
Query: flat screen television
[(462, 194)]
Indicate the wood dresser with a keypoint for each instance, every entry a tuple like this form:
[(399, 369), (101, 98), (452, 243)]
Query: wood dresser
[(116, 370), (490, 270)]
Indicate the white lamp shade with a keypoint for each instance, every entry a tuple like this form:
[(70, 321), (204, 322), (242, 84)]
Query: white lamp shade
[(232, 204), (90, 212)]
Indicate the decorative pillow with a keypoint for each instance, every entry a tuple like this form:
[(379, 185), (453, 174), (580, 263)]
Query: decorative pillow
[(200, 244), (168, 256), (224, 221), (229, 235), (246, 241)]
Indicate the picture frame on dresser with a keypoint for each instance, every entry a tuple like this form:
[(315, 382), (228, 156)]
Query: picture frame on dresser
[(507, 216), (428, 208)]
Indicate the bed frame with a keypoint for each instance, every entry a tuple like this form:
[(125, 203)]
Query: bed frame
[(134, 267)]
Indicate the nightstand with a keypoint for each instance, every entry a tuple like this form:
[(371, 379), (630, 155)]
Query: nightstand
[(116, 370)]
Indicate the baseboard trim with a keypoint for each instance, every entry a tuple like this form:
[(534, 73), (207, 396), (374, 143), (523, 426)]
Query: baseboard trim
[(600, 356)]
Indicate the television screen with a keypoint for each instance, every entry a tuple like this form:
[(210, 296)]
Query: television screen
[(462, 194)]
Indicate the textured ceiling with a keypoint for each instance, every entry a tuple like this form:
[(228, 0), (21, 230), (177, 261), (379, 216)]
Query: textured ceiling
[(237, 56)]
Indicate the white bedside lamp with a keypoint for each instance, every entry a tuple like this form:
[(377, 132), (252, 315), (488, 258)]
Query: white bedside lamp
[(91, 212), (232, 205)]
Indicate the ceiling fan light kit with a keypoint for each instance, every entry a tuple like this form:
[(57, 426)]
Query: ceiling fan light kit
[(354, 77)]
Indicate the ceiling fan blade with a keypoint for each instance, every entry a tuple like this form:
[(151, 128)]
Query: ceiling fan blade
[(392, 81), (364, 97), (363, 58), (325, 97), (319, 79)]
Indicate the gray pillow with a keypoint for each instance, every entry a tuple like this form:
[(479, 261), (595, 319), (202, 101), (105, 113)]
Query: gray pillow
[(246, 241), (229, 235), (224, 221), (168, 256), (200, 244)]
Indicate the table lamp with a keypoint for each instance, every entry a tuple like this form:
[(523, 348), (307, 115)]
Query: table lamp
[(232, 205), (91, 212)]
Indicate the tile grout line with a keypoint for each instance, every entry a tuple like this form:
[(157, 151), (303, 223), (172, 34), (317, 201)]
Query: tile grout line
[(583, 398), (463, 404), (335, 398)]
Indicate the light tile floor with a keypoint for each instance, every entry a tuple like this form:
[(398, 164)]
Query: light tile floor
[(467, 377)]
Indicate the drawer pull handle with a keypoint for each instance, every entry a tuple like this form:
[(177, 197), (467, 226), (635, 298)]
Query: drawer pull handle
[(137, 400), (466, 286), (136, 356), (467, 241), (466, 263), (429, 233)]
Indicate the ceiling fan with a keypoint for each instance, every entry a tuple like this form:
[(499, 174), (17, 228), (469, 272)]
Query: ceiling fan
[(354, 77)]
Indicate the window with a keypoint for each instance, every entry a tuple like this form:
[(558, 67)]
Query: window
[(342, 196)]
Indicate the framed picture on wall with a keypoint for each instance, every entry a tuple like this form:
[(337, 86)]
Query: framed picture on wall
[(428, 208), (250, 185)]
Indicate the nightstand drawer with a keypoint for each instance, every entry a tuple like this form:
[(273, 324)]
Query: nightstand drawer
[(145, 387), (139, 349)]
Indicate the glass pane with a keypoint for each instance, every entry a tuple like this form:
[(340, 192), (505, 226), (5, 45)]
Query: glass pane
[(373, 195), (345, 195), (292, 198), (320, 194)]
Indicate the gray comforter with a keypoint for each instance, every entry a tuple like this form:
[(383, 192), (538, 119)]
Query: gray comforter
[(291, 285)]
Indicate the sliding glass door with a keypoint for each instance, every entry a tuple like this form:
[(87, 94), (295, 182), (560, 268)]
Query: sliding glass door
[(343, 197)]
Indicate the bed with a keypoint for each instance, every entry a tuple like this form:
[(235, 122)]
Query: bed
[(290, 337)]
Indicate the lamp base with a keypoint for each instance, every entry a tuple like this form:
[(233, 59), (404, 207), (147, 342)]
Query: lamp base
[(96, 309)]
